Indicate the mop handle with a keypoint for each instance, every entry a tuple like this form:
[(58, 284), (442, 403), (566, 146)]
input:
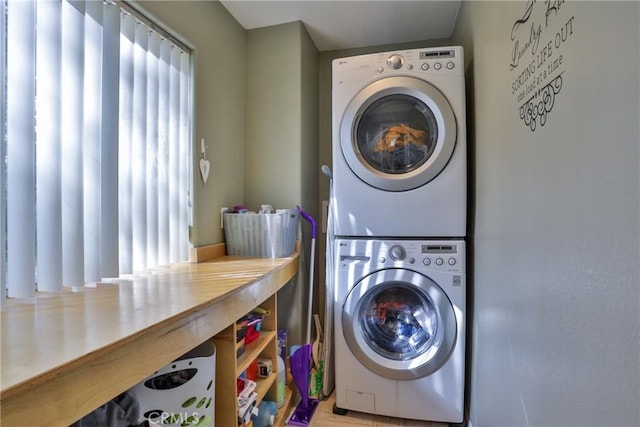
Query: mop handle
[(309, 218)]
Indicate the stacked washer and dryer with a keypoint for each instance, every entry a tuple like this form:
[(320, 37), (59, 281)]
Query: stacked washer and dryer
[(399, 212)]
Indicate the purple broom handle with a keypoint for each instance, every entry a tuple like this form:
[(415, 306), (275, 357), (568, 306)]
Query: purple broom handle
[(314, 225)]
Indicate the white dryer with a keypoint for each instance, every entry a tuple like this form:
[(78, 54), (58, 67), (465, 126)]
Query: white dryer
[(399, 321), (399, 144)]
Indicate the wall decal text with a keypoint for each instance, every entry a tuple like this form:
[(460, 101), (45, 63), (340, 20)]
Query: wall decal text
[(537, 58)]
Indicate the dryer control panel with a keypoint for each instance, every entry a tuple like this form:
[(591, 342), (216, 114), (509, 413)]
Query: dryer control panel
[(433, 59)]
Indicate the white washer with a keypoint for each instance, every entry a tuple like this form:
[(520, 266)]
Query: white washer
[(400, 328), (399, 144)]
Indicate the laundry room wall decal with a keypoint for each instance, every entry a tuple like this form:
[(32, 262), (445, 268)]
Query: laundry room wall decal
[(538, 58)]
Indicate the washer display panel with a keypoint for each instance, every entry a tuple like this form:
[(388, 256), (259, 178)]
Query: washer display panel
[(398, 133), (399, 324)]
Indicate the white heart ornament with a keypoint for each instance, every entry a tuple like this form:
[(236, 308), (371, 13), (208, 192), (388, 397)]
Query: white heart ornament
[(204, 169)]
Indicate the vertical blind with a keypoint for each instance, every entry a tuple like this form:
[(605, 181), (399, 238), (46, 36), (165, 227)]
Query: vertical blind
[(96, 153)]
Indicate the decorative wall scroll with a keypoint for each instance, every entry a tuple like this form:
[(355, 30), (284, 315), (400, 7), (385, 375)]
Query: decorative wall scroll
[(540, 104), (539, 38)]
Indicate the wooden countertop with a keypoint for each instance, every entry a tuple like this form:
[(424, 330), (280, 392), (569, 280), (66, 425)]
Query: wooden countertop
[(64, 354)]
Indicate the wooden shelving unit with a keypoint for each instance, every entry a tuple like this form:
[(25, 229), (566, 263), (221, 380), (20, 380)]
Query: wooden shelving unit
[(229, 367)]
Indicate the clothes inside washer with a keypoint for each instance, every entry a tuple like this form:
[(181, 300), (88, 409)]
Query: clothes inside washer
[(399, 323)]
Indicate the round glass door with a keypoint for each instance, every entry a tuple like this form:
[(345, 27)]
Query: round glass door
[(399, 324), (398, 133)]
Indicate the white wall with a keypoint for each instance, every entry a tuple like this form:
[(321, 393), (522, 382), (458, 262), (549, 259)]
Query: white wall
[(555, 227)]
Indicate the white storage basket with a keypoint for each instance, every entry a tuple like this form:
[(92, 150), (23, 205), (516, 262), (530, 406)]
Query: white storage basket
[(183, 392), (261, 235)]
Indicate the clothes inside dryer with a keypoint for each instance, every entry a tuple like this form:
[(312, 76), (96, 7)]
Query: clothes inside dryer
[(396, 134), (398, 323)]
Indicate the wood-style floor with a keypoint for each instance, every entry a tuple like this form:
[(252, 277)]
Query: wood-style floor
[(324, 417)]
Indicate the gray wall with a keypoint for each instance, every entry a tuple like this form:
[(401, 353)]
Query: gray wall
[(555, 231), (273, 151), (281, 148), (282, 126)]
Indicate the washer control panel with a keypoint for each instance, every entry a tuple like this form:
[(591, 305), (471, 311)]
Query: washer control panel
[(438, 255), (435, 255)]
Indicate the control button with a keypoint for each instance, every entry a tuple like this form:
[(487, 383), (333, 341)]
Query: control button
[(397, 253), (439, 261), (395, 61), (409, 67), (424, 66), (382, 260), (412, 260), (450, 65), (380, 70), (452, 261), (426, 261), (437, 65)]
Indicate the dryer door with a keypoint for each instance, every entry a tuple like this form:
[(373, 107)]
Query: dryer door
[(399, 324), (398, 133)]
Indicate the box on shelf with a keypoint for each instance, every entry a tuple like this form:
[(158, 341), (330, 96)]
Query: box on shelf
[(241, 330), (261, 235), (254, 325), (265, 367)]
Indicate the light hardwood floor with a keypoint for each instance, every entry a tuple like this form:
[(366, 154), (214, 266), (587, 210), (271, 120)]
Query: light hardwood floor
[(324, 417)]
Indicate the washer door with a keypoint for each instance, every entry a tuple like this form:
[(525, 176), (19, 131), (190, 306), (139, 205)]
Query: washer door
[(399, 324), (398, 133)]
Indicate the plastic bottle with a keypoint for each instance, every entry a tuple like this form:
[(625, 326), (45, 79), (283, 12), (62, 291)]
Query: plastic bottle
[(266, 417), (281, 381)]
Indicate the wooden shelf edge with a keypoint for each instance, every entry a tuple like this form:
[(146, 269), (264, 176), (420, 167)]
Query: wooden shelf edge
[(285, 410), (263, 385), (254, 349), (218, 250), (207, 253)]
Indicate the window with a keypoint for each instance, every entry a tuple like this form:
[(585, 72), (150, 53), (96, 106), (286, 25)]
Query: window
[(96, 158)]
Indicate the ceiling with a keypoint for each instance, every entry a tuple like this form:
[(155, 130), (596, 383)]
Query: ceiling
[(346, 24)]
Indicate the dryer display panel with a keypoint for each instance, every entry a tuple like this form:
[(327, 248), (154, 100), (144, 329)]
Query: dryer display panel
[(397, 134)]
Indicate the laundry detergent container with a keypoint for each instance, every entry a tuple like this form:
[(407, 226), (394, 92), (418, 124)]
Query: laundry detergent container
[(183, 392), (270, 235)]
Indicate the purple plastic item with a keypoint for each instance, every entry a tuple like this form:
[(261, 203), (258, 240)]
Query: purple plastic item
[(300, 363), (240, 209), (309, 218)]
